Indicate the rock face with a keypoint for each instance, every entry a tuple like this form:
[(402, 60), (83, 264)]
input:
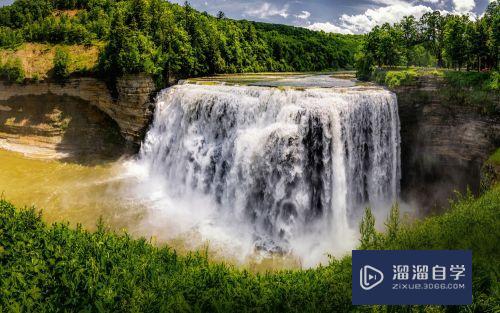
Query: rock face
[(444, 142), (131, 110)]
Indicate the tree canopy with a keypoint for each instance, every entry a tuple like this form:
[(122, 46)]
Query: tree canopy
[(169, 40), (452, 41)]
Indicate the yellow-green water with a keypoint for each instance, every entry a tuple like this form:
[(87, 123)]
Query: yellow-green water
[(68, 192)]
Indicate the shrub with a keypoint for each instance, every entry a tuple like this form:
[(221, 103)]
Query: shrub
[(394, 79), (10, 38), (466, 80), (13, 71), (493, 82), (400, 78), (364, 67), (61, 64), (57, 268)]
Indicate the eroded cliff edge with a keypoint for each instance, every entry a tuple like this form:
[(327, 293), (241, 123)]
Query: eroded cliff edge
[(446, 137), (78, 116)]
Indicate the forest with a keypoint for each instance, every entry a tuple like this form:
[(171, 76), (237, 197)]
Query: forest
[(173, 41), (435, 40)]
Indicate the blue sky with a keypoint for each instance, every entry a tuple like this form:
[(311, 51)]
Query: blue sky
[(344, 16)]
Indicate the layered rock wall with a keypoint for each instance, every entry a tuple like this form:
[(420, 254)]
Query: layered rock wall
[(445, 141), (131, 110)]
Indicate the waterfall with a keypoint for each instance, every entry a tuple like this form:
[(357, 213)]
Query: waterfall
[(290, 165)]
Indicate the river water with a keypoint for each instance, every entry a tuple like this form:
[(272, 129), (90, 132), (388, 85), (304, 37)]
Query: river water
[(265, 177)]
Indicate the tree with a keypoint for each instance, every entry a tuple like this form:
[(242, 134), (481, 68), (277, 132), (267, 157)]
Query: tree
[(139, 17), (369, 236), (392, 224), (409, 34), (455, 44), (128, 50), (388, 47), (221, 15), (432, 34), (492, 19)]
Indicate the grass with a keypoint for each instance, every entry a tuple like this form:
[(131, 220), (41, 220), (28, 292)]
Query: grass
[(56, 268), (495, 157), (396, 77), (37, 59), (479, 90)]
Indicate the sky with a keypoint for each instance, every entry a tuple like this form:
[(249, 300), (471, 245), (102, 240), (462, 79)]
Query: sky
[(339, 16)]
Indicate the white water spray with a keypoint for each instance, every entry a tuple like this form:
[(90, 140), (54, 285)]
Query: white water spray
[(286, 171)]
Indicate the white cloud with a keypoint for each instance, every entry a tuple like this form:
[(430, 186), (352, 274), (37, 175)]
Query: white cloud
[(463, 6), (329, 28), (267, 10), (392, 13), (304, 15)]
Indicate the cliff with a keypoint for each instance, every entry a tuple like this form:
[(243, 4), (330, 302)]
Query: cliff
[(51, 115), (445, 140)]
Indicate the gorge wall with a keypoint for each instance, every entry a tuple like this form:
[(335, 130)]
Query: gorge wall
[(80, 114), (445, 140)]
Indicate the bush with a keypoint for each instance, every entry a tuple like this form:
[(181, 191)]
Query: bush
[(470, 224), (10, 38), (57, 268), (61, 64), (364, 67), (400, 78), (493, 82), (395, 78), (13, 71)]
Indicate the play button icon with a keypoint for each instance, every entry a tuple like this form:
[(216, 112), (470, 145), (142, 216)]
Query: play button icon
[(370, 277)]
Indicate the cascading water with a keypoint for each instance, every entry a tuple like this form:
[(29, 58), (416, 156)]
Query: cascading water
[(289, 170)]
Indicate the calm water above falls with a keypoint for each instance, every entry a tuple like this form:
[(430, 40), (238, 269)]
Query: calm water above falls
[(250, 170)]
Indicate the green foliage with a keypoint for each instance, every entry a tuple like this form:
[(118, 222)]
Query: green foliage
[(478, 90), (452, 41), (469, 224), (61, 64), (395, 78), (467, 80), (12, 70), (383, 45), (393, 223), (10, 38), (57, 268), (490, 171), (172, 41), (364, 66), (495, 157), (455, 42), (493, 83), (369, 236)]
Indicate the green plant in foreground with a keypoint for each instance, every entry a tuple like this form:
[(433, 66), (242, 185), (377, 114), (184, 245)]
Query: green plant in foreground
[(56, 268)]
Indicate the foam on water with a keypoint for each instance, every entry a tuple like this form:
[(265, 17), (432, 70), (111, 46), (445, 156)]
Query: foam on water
[(263, 169)]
